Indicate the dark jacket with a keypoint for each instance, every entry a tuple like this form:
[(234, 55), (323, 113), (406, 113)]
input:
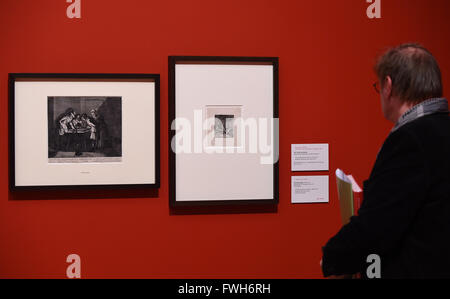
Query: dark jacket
[(405, 213)]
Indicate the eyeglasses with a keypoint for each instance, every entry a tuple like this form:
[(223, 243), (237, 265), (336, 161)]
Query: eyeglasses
[(376, 85)]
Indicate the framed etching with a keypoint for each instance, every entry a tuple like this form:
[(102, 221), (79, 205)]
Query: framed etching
[(83, 131), (223, 130)]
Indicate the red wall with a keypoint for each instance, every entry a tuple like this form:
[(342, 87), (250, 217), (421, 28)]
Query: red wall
[(326, 49)]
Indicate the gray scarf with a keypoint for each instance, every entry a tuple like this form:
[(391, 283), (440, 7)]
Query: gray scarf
[(431, 106)]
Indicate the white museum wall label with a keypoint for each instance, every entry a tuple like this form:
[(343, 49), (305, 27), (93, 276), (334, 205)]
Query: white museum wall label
[(310, 189), (309, 157)]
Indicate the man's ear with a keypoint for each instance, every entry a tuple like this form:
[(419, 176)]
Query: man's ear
[(387, 87)]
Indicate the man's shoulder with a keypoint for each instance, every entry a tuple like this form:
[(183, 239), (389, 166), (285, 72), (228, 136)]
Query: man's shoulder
[(428, 134), (434, 126), (428, 121), (427, 131)]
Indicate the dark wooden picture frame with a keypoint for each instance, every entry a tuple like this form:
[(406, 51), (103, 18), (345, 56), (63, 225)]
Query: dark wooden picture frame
[(81, 77), (228, 60)]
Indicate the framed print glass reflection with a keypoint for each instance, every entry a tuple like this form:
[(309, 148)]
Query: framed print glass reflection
[(223, 130), (84, 131)]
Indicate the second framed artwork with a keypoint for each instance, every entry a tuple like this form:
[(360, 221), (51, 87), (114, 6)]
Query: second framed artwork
[(223, 118), (84, 130)]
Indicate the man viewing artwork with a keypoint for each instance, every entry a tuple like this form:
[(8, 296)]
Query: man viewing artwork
[(405, 215)]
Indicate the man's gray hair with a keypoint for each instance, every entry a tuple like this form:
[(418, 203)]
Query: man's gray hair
[(414, 72)]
